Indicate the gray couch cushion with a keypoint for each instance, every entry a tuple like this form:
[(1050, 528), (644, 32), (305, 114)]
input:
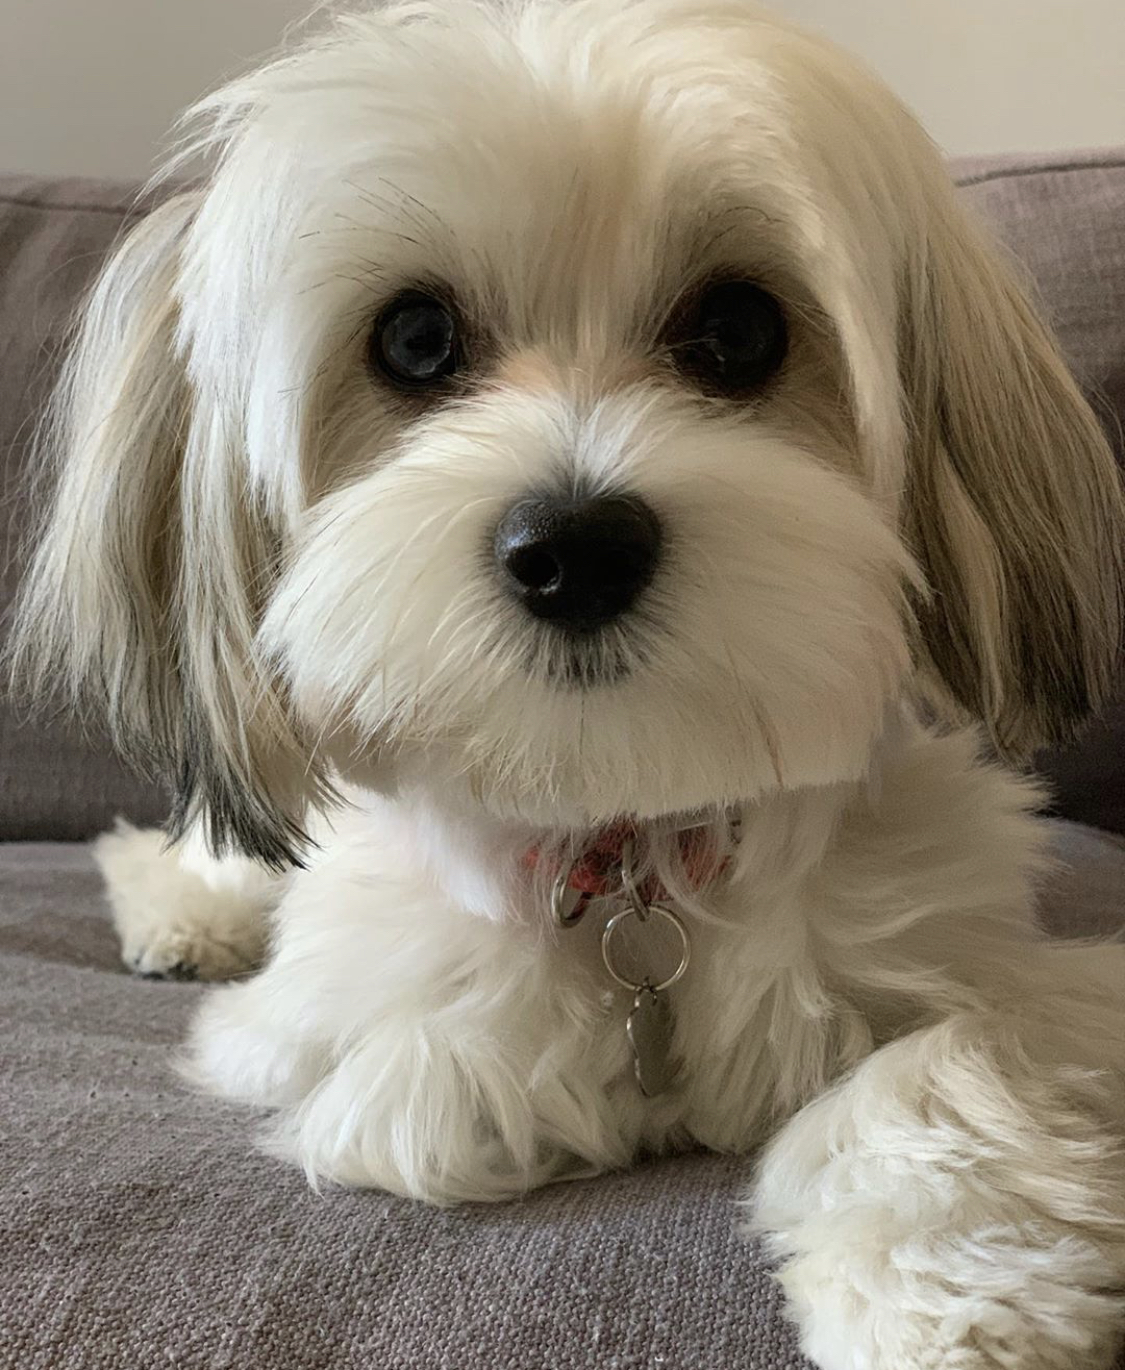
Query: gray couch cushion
[(1064, 219), (139, 1229), (1064, 216)]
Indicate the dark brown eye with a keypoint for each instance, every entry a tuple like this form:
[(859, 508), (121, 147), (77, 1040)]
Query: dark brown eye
[(414, 340), (734, 337)]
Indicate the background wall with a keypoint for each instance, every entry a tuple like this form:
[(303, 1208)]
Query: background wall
[(93, 85), (992, 75)]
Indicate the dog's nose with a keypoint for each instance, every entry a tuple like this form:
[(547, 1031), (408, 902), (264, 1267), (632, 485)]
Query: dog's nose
[(579, 562)]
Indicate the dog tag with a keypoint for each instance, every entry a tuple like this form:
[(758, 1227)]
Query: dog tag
[(650, 1035)]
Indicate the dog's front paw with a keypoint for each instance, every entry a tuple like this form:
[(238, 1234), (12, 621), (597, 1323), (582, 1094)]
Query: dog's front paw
[(401, 1110), (434, 1120), (172, 925), (956, 1204), (858, 1316), (245, 1044), (161, 952)]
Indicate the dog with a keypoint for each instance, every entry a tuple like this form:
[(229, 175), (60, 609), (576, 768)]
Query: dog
[(592, 532)]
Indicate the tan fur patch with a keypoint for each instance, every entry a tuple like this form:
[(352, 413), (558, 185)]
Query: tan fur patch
[(534, 370)]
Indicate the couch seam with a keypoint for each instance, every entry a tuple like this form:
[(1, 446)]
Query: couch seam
[(1046, 169), (983, 178), (20, 202)]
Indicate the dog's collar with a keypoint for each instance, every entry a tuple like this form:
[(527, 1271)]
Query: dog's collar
[(597, 871)]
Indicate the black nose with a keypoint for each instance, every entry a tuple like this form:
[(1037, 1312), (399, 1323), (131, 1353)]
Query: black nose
[(580, 563)]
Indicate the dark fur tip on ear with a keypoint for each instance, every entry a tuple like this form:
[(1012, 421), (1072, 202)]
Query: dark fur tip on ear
[(1015, 504), (235, 819), (1052, 694)]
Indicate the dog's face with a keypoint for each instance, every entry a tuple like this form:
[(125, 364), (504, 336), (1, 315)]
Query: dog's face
[(597, 410), (584, 518)]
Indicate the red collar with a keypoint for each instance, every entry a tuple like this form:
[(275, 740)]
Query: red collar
[(597, 870)]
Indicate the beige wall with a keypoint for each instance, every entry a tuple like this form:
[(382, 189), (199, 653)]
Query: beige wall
[(93, 85), (992, 75)]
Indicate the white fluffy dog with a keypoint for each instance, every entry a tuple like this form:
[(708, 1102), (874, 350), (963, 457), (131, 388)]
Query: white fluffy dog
[(572, 463)]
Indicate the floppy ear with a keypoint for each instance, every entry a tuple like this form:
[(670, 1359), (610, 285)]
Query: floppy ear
[(1014, 500), (139, 600)]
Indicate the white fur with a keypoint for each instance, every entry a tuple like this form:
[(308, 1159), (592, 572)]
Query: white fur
[(274, 573), (179, 912)]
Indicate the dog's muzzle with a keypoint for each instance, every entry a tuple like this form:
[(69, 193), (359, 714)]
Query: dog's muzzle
[(578, 563)]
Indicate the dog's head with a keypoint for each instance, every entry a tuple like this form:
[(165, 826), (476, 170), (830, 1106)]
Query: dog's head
[(596, 408)]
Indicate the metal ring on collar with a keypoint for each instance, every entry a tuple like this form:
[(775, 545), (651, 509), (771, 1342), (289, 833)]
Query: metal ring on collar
[(567, 917), (617, 921), (629, 884)]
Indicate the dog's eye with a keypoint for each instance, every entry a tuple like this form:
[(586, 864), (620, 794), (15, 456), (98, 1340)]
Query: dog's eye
[(735, 337), (414, 340)]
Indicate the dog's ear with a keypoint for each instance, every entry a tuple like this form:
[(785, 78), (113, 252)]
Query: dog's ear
[(1014, 501), (140, 597)]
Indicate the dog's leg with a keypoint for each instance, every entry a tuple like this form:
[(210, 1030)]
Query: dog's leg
[(958, 1203), (415, 1047), (482, 1101), (180, 913)]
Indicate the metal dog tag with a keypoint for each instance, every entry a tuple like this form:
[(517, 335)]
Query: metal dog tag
[(649, 1028)]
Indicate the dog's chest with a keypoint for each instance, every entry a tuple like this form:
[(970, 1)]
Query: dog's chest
[(713, 1057)]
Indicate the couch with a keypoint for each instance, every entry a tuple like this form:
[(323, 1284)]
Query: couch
[(139, 1228)]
